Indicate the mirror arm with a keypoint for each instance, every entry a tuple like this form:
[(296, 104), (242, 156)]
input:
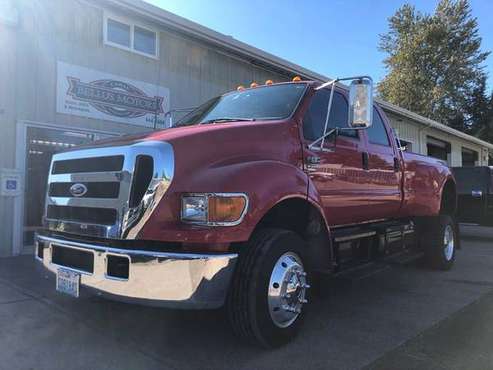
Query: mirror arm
[(326, 84), (322, 138), (327, 117), (336, 130)]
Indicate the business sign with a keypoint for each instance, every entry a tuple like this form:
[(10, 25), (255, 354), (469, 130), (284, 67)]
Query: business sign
[(88, 93)]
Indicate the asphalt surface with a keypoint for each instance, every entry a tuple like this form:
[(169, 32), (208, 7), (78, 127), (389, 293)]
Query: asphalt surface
[(392, 316)]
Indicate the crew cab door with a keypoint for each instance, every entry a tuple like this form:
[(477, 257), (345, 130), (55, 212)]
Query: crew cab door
[(337, 172), (384, 169)]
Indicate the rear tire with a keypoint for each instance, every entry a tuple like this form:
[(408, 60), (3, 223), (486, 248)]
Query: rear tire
[(440, 241), (268, 291)]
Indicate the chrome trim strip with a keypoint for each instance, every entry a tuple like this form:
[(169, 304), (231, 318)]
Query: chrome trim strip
[(359, 223), (167, 279), (140, 252), (111, 203), (100, 231), (88, 177), (210, 223), (355, 236)]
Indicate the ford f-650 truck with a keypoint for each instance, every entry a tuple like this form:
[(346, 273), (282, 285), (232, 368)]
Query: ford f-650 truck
[(243, 203)]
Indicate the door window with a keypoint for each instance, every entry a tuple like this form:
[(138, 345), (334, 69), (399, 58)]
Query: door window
[(376, 132), (315, 116)]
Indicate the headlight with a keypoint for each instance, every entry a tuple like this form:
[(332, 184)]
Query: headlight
[(194, 208), (214, 209)]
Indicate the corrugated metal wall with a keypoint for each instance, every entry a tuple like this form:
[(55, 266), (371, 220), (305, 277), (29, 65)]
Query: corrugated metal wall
[(71, 31), (417, 134)]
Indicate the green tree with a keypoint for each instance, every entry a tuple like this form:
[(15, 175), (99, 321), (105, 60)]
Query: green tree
[(482, 116), (434, 63)]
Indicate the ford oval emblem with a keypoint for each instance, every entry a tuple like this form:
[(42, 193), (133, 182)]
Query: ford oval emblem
[(78, 190)]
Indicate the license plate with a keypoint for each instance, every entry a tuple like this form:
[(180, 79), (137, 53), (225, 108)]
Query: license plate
[(68, 282)]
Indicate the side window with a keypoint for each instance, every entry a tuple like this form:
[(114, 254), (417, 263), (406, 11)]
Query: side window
[(315, 116), (314, 119), (377, 133)]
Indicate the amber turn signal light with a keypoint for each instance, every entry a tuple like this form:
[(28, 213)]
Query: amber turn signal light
[(226, 209)]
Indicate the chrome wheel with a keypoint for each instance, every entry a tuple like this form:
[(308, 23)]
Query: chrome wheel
[(448, 242), (287, 289)]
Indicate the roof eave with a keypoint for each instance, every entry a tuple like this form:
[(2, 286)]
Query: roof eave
[(168, 19)]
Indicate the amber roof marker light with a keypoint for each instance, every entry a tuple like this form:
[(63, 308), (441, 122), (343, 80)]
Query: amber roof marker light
[(269, 82), (296, 79)]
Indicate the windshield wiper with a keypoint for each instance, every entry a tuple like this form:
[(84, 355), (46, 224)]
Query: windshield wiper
[(226, 119)]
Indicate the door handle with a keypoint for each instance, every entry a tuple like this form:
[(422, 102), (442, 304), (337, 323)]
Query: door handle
[(366, 160), (313, 160)]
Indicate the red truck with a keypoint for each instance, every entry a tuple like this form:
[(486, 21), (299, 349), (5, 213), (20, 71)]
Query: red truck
[(243, 203)]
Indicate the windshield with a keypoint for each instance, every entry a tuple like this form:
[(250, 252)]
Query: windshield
[(261, 103)]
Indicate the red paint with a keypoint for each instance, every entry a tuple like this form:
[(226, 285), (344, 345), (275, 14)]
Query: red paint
[(266, 161)]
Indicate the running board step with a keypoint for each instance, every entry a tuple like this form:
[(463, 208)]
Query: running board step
[(393, 231)]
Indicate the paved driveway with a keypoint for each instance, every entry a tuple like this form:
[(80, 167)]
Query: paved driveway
[(364, 319)]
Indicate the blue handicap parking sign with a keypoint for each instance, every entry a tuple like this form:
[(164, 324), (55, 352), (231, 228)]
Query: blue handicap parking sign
[(11, 184)]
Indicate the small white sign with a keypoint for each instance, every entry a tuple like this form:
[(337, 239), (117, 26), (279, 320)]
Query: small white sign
[(89, 93), (10, 183)]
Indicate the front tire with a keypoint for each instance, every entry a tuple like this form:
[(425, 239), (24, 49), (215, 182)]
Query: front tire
[(440, 241), (265, 304)]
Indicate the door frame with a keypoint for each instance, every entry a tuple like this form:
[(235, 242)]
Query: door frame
[(20, 165)]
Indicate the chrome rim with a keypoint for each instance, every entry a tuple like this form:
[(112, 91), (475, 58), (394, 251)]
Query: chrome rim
[(287, 289), (448, 242)]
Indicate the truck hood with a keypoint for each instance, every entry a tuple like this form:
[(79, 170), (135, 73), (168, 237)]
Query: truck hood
[(226, 131), (200, 148)]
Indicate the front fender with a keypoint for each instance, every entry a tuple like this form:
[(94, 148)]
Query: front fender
[(266, 183)]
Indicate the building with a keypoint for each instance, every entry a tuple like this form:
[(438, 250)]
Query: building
[(64, 60)]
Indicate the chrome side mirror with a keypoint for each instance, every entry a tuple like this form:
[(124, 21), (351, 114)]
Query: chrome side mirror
[(361, 103)]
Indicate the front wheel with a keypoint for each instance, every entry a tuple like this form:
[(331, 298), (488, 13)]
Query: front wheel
[(440, 240), (266, 300)]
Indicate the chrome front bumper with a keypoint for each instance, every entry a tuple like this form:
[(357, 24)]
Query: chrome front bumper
[(175, 280)]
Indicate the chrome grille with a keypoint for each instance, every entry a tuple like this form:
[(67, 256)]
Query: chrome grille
[(121, 187)]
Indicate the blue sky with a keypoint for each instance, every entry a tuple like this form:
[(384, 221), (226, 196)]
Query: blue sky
[(333, 37)]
